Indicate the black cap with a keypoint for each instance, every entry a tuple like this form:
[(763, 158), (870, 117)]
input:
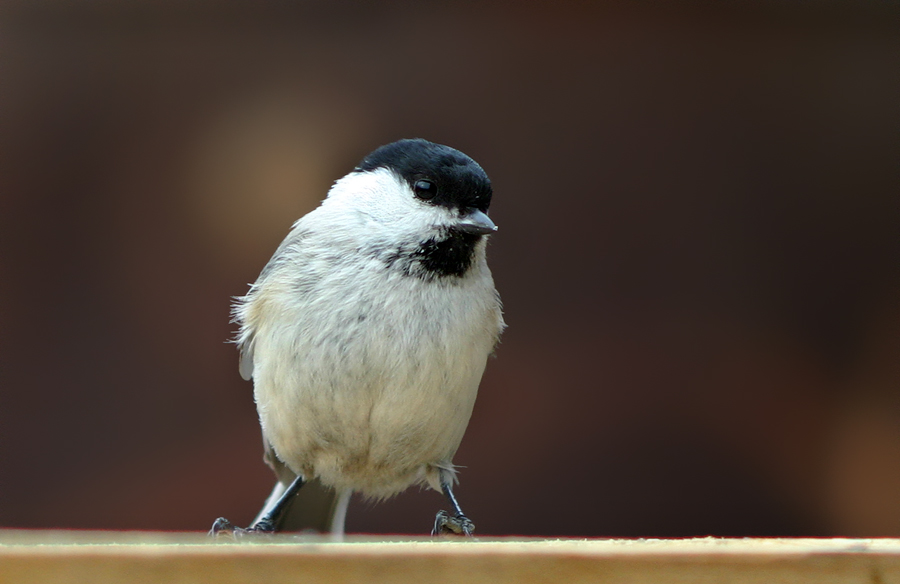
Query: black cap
[(459, 181)]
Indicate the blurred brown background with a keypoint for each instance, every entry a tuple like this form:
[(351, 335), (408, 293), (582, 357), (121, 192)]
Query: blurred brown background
[(698, 252)]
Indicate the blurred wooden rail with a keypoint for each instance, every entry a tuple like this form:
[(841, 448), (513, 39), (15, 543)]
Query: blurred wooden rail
[(101, 557)]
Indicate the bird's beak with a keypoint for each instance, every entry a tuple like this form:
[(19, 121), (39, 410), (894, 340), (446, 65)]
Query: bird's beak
[(476, 223)]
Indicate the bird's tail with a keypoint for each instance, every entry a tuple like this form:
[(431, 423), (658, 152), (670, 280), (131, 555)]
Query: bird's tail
[(314, 508), (339, 514)]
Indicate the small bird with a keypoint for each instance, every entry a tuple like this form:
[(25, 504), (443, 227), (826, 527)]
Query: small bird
[(367, 333)]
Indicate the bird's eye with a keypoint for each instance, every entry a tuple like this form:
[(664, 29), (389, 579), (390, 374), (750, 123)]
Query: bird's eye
[(425, 189)]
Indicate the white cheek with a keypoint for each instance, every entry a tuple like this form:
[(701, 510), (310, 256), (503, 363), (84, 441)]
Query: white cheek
[(380, 202)]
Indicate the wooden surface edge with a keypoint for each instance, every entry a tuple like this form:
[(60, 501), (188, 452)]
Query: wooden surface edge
[(100, 557)]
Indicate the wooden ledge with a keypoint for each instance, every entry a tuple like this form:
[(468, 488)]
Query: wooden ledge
[(101, 557)]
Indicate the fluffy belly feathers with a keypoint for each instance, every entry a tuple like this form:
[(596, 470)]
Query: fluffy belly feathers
[(381, 406)]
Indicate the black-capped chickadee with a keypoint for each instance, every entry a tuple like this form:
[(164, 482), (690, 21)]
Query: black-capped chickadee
[(367, 333)]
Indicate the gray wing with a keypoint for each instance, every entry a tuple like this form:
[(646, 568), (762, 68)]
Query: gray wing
[(245, 345), (315, 505)]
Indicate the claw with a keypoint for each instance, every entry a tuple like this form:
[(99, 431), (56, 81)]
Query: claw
[(444, 524), (222, 528)]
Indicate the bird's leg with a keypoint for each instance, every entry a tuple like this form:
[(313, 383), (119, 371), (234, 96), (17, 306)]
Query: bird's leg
[(266, 524), (458, 524)]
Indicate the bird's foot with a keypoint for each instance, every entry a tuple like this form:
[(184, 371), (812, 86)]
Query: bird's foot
[(445, 524), (222, 528)]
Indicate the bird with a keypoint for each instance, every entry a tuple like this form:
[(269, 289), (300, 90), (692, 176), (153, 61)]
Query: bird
[(367, 333)]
